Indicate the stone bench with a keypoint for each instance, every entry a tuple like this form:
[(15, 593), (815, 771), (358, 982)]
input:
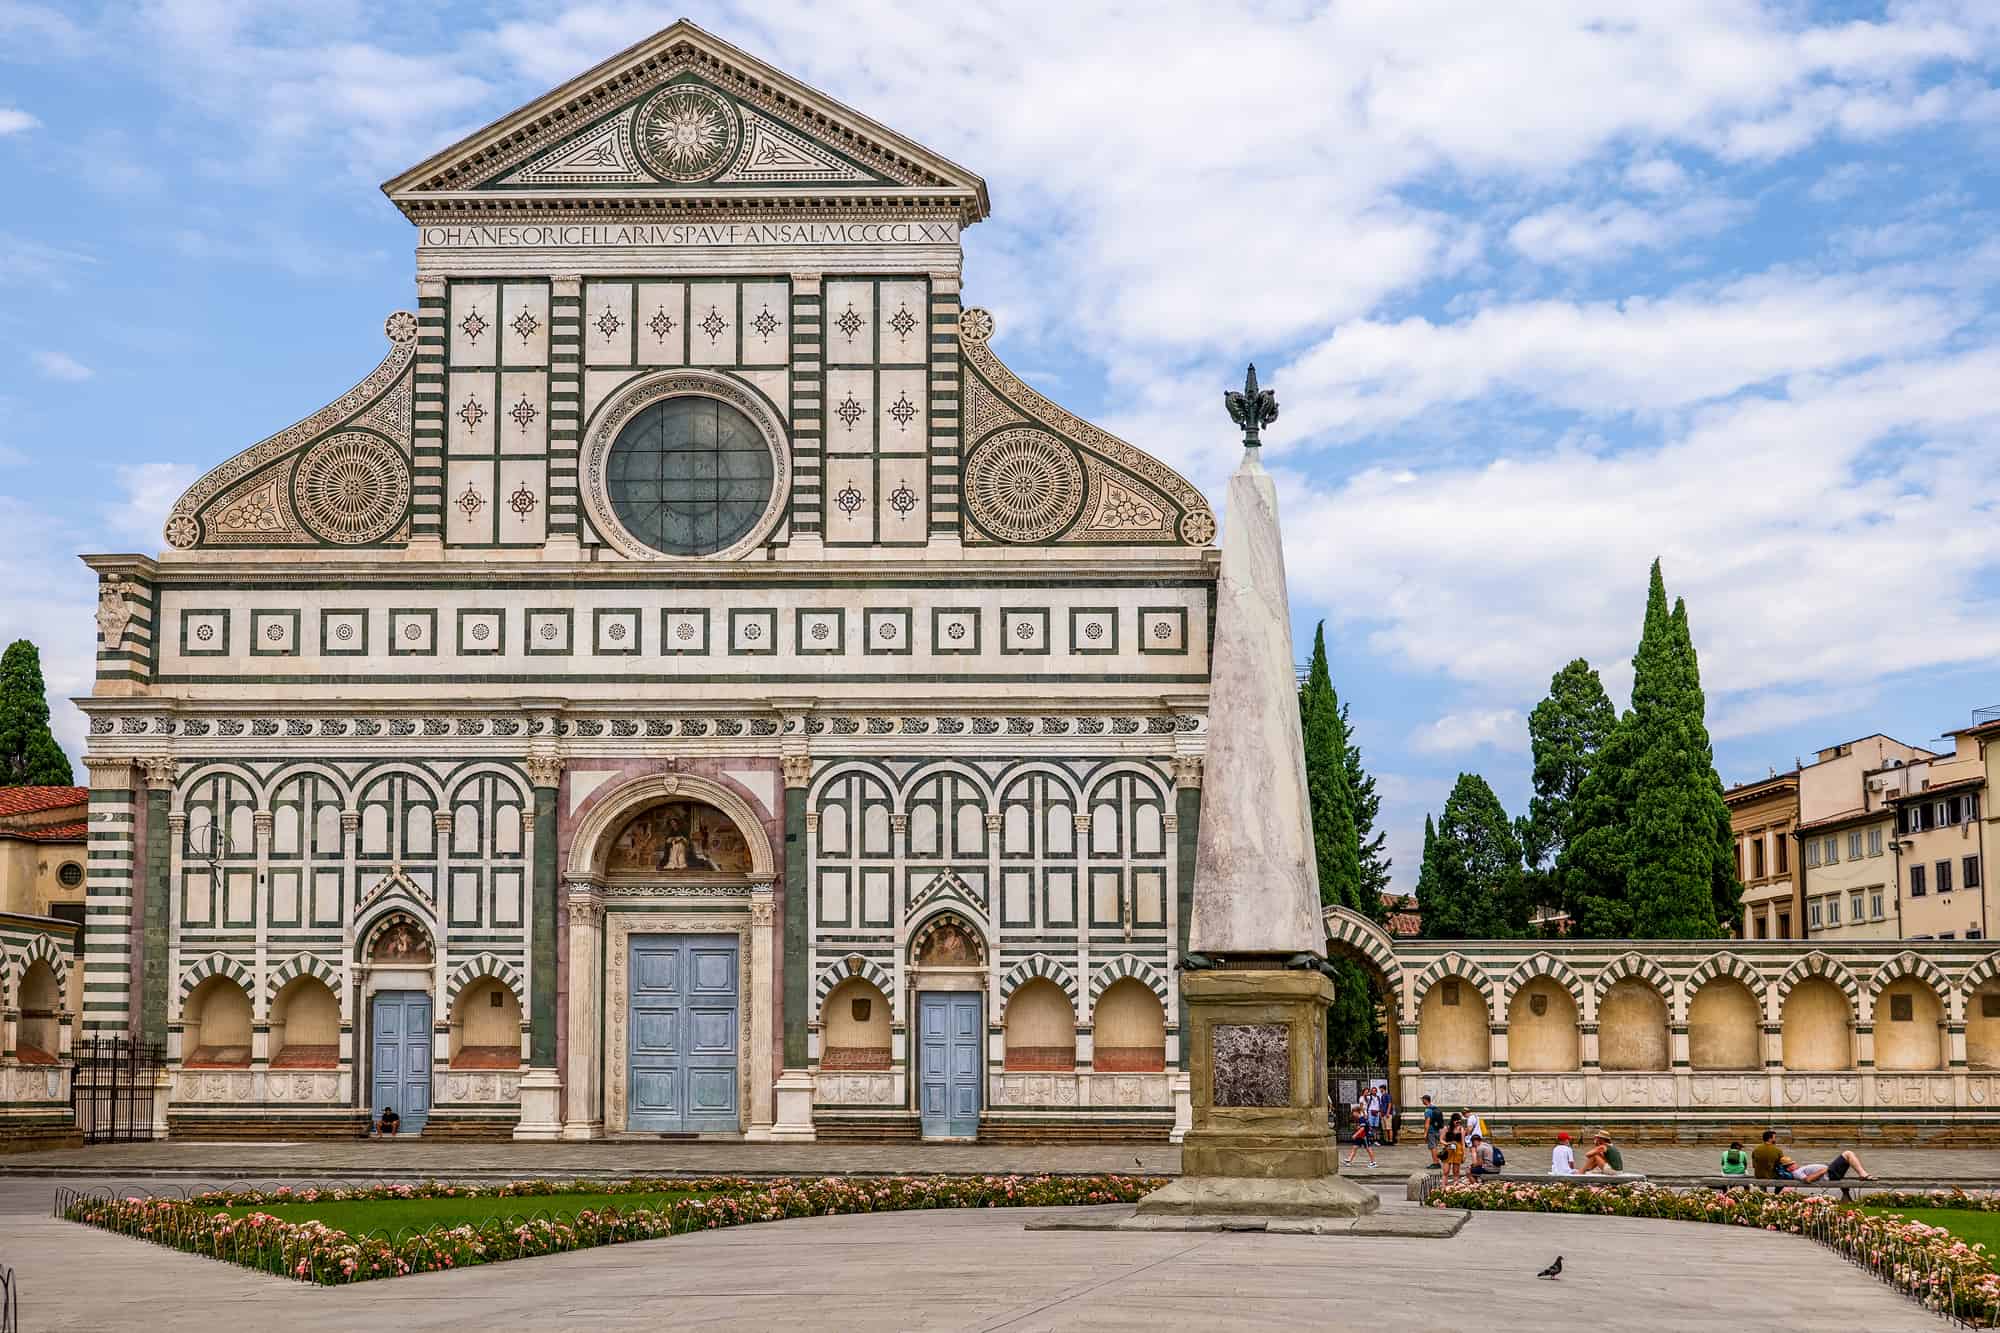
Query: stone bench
[(1421, 1183), (1846, 1185)]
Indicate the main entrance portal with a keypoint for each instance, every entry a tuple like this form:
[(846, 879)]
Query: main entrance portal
[(951, 1063), (682, 1020)]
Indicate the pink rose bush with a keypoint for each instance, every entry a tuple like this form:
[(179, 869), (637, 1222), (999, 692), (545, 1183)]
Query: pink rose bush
[(314, 1252), (1929, 1263)]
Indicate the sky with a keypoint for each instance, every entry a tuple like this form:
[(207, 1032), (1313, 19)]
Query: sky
[(1546, 290)]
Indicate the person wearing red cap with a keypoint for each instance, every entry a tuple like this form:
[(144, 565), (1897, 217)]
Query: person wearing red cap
[(1562, 1162)]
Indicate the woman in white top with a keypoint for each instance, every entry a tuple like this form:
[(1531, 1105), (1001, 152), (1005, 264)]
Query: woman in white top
[(1562, 1162)]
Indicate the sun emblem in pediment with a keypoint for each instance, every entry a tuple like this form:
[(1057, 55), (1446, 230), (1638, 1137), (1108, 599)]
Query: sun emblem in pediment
[(687, 133)]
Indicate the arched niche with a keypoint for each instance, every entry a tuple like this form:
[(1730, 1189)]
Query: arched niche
[(1632, 1027), (486, 1026), (215, 1025), (1725, 1023), (1818, 1026), (854, 1027), (1128, 1029), (1542, 1035), (38, 1039), (1452, 1027), (1041, 1028), (1982, 1025), (674, 825), (1909, 1026), (305, 1026)]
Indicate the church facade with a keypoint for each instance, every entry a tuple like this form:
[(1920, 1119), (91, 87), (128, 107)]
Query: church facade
[(691, 686)]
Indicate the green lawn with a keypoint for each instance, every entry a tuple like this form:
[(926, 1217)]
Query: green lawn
[(358, 1217), (1975, 1228)]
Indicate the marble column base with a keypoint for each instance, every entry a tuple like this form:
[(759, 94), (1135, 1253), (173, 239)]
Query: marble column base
[(794, 1090), (1257, 1196), (541, 1106)]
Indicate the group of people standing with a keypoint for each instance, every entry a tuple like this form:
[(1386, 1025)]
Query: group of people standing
[(1374, 1119), (1459, 1144)]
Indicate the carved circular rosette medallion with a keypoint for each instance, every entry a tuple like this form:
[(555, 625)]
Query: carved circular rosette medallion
[(401, 327), (975, 325), (1198, 527), (352, 488), (687, 133), (1024, 485), (182, 531)]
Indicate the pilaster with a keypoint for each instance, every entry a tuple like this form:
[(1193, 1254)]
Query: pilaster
[(763, 977), (565, 414), (427, 422), (111, 948), (583, 1118), (159, 771), (541, 1086)]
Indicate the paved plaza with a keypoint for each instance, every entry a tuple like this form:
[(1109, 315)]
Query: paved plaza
[(419, 1158), (983, 1270)]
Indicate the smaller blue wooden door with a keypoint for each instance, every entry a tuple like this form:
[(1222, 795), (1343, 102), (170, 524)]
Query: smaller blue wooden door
[(951, 1058), (401, 1022)]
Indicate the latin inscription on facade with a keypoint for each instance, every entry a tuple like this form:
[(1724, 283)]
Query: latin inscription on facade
[(682, 235), (1253, 1064)]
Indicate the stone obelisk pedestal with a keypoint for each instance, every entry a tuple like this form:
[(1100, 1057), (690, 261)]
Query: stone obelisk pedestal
[(1256, 997)]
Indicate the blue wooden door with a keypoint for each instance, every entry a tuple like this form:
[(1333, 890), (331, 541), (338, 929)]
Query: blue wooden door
[(682, 1021), (951, 1060), (401, 1077)]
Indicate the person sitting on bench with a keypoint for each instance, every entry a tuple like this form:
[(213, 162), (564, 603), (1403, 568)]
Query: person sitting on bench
[(1830, 1172)]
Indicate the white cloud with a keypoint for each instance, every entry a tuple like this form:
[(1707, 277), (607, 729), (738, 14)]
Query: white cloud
[(1793, 526), (1572, 234), (61, 366), (1657, 175), (13, 120), (1638, 355), (148, 492), (1480, 728)]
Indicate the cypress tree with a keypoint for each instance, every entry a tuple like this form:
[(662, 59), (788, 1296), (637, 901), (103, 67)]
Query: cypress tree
[(1373, 843), (1334, 841), (29, 755), (1725, 889), (1566, 729), (1476, 868)]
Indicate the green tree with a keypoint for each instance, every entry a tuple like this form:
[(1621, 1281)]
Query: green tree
[(29, 755), (1373, 842), (1427, 870), (1335, 843), (1566, 729), (1476, 891)]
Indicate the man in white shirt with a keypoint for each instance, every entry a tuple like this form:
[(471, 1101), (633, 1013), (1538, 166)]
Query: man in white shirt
[(1476, 1124), (1562, 1162)]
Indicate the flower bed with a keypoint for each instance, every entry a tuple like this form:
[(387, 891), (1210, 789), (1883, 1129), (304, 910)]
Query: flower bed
[(1929, 1263), (314, 1252)]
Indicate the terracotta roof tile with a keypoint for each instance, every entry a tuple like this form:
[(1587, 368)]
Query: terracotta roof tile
[(32, 800)]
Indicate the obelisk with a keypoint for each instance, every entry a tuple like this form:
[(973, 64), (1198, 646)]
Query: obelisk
[(1254, 975)]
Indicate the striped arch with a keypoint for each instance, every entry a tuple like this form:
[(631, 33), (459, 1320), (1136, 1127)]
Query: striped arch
[(1455, 965), (1819, 965), (1646, 970), (1357, 932), (1980, 973), (485, 965), (1126, 965), (854, 965), (1542, 965), (1907, 964), (1040, 965), (303, 965), (215, 965), (39, 949)]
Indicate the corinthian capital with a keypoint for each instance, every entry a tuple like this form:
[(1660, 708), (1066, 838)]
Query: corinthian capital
[(544, 770)]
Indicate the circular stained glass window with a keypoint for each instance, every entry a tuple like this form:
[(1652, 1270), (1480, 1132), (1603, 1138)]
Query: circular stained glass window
[(689, 476)]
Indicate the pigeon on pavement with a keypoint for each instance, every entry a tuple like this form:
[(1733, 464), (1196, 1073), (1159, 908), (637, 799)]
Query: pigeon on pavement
[(1554, 1270)]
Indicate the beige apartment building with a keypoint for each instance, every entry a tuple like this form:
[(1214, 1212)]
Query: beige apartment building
[(1941, 813), (1847, 834), (1763, 816)]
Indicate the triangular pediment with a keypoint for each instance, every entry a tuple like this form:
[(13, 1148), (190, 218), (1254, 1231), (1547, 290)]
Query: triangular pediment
[(687, 119)]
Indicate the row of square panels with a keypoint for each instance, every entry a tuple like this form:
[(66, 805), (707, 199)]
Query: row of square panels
[(691, 631)]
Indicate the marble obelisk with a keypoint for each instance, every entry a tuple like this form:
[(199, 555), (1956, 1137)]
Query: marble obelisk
[(1253, 976)]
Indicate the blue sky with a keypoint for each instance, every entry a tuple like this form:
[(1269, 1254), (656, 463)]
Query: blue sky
[(1546, 289)]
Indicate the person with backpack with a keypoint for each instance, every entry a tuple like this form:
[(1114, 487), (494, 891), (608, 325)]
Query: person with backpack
[(1361, 1143), (1735, 1162), (1434, 1133), (1485, 1158)]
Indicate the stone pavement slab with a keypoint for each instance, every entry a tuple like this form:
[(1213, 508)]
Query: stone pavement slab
[(984, 1270)]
